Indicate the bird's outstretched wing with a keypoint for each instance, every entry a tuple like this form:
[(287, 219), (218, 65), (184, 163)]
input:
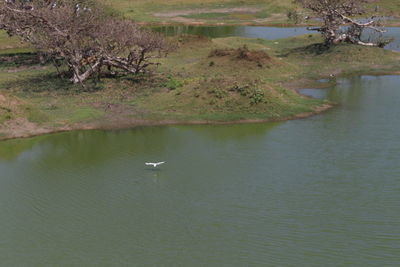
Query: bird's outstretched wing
[(154, 164)]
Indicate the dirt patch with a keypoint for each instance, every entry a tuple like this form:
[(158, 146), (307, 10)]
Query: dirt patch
[(316, 111), (12, 121), (21, 127), (117, 111), (8, 103), (179, 13), (273, 18), (243, 53)]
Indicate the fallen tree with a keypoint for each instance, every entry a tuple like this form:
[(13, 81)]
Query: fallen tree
[(338, 24), (81, 36)]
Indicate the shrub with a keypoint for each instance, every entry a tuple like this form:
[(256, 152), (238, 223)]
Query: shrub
[(173, 83)]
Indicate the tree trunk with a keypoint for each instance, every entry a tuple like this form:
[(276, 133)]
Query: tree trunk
[(80, 77)]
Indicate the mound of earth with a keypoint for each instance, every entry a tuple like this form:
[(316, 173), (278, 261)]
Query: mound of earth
[(243, 53)]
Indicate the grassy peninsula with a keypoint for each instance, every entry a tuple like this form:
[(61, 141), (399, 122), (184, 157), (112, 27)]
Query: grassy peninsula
[(221, 80), (205, 80)]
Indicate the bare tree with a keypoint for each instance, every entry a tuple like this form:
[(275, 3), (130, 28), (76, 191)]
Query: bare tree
[(80, 34), (338, 23)]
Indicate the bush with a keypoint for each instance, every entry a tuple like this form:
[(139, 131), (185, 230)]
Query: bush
[(82, 37), (242, 53), (173, 83)]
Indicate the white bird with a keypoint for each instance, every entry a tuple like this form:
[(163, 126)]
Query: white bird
[(154, 164)]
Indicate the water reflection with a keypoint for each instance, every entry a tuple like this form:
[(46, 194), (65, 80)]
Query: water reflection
[(231, 132), (90, 148), (9, 150), (228, 31), (260, 32), (315, 93), (87, 147)]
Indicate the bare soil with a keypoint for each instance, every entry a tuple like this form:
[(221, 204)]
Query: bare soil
[(243, 53), (21, 127)]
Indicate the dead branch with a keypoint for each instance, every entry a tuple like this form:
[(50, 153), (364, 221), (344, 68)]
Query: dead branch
[(338, 24)]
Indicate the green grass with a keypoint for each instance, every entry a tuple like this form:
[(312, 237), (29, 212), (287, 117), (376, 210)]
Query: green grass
[(388, 7), (85, 114), (9, 45), (208, 88), (190, 84), (270, 12), (145, 11)]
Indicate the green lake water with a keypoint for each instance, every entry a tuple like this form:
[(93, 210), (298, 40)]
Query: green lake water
[(321, 191)]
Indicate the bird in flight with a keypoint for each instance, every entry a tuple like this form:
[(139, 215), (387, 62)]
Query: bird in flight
[(154, 164)]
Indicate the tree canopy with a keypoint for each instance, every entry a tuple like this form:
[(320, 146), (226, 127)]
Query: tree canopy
[(80, 35)]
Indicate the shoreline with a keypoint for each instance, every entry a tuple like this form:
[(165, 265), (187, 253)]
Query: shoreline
[(394, 23), (123, 117), (207, 24), (133, 123)]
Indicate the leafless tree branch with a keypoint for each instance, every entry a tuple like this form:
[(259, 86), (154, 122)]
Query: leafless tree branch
[(339, 26), (80, 34)]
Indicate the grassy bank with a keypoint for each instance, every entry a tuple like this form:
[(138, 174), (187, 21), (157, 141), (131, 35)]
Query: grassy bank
[(219, 80), (230, 12), (198, 12)]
